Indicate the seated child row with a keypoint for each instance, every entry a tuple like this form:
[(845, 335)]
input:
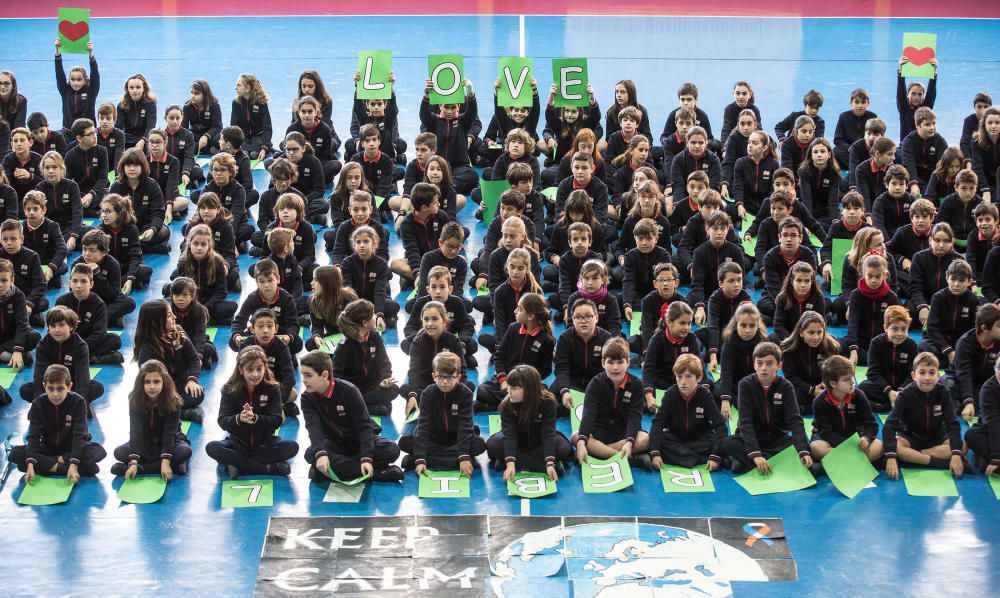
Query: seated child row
[(345, 443)]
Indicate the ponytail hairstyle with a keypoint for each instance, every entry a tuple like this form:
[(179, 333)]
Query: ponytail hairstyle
[(535, 305), (122, 206), (246, 357), (786, 297), (521, 253), (355, 316), (745, 309), (257, 94), (862, 246), (207, 97), (330, 295), (168, 402), (770, 147), (626, 157), (527, 378), (827, 348), (299, 138), (672, 311)]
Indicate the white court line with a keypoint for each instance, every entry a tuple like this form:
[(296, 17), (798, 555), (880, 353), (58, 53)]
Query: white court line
[(521, 24), (525, 507)]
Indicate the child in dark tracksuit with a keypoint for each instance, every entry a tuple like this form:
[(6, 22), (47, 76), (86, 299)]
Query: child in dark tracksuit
[(342, 436), (58, 441), (158, 337), (984, 437), (92, 316), (431, 340), (769, 416), (361, 358), (890, 360), (922, 428), (264, 326), (528, 440), (578, 352), (452, 128), (156, 443), (688, 429), (672, 339), (953, 313), (867, 305), (250, 412), (841, 410), (612, 409), (107, 276), (445, 438), (271, 296), (62, 345), (368, 275)]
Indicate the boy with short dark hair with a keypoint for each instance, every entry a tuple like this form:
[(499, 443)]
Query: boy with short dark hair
[(841, 411), (779, 260), (953, 312), (983, 238), (890, 356), (44, 139), (708, 257), (639, 265), (722, 304), (383, 115), (861, 149), (92, 317), (812, 101), (419, 231), (424, 146), (376, 164), (922, 149), (338, 240), (851, 125), (44, 237), (582, 167), (852, 220), (975, 353), (107, 276), (957, 209), (264, 329), (909, 240), (666, 281), (58, 438), (449, 255), (343, 438), (891, 209), (269, 294), (970, 125), (687, 95), (453, 129), (63, 346), (984, 437), (769, 416), (87, 164), (17, 339), (922, 428), (110, 137)]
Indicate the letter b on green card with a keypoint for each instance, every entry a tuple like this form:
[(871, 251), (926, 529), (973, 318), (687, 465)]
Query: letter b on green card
[(445, 73), (374, 67), (570, 77), (515, 82)]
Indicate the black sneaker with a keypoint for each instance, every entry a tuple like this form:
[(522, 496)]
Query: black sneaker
[(316, 476), (389, 474), (193, 414), (181, 469), (304, 320), (291, 409), (256, 251), (242, 247), (471, 362), (233, 472), (480, 214), (379, 409), (119, 469), (112, 358), (640, 461), (280, 468)]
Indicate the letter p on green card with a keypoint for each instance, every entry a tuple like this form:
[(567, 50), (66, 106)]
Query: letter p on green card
[(515, 82), (374, 67), (570, 77), (445, 73)]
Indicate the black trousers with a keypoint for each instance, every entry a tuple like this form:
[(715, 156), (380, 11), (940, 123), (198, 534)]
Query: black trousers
[(734, 448), (90, 456), (444, 457), (686, 454), (531, 460), (252, 460), (151, 463), (347, 464)]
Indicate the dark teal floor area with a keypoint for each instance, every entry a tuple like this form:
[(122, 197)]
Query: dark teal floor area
[(883, 541)]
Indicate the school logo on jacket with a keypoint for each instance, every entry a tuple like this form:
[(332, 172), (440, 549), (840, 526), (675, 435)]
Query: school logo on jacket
[(341, 410), (937, 409), (142, 113), (627, 396), (372, 275), (256, 107), (699, 412), (305, 171), (68, 420), (263, 400), (766, 175), (809, 306), (94, 161), (145, 200), (454, 408), (777, 398), (851, 408), (68, 360), (685, 349), (83, 96), (536, 346)]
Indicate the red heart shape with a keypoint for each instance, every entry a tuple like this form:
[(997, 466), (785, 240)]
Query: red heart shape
[(918, 57), (73, 31)]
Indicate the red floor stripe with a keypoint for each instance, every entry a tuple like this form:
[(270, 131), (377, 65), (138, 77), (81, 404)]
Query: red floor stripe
[(736, 8)]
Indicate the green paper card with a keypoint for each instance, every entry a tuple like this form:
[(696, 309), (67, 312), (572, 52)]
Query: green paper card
[(682, 479), (74, 30), (920, 48), (412, 417), (840, 249), (210, 332), (337, 480), (749, 245), (734, 419), (412, 295), (574, 414), (492, 190), (882, 417), (379, 200), (330, 342), (995, 485), (45, 491), (550, 193), (142, 490), (247, 493), (185, 427), (658, 397), (111, 177), (515, 82), (807, 424), (7, 376), (530, 485), (117, 332), (203, 161), (815, 240), (570, 77), (445, 73), (929, 482), (849, 468), (374, 67), (94, 372), (979, 292), (343, 494), (182, 189), (635, 326), (92, 222), (443, 484), (747, 222), (377, 419), (787, 475), (256, 165), (494, 423), (483, 292), (603, 476), (860, 373)]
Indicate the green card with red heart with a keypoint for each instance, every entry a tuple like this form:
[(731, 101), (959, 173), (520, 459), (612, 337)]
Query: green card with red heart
[(920, 49), (74, 30)]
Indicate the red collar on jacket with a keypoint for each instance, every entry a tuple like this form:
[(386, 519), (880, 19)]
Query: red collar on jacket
[(533, 332)]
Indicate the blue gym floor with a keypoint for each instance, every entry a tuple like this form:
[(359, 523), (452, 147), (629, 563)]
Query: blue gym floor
[(186, 545)]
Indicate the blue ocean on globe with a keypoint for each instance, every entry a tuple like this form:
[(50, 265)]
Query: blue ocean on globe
[(619, 559)]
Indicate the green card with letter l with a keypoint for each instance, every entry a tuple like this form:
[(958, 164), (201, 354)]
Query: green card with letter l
[(74, 30), (445, 73), (374, 67), (515, 82), (576, 412), (570, 77)]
